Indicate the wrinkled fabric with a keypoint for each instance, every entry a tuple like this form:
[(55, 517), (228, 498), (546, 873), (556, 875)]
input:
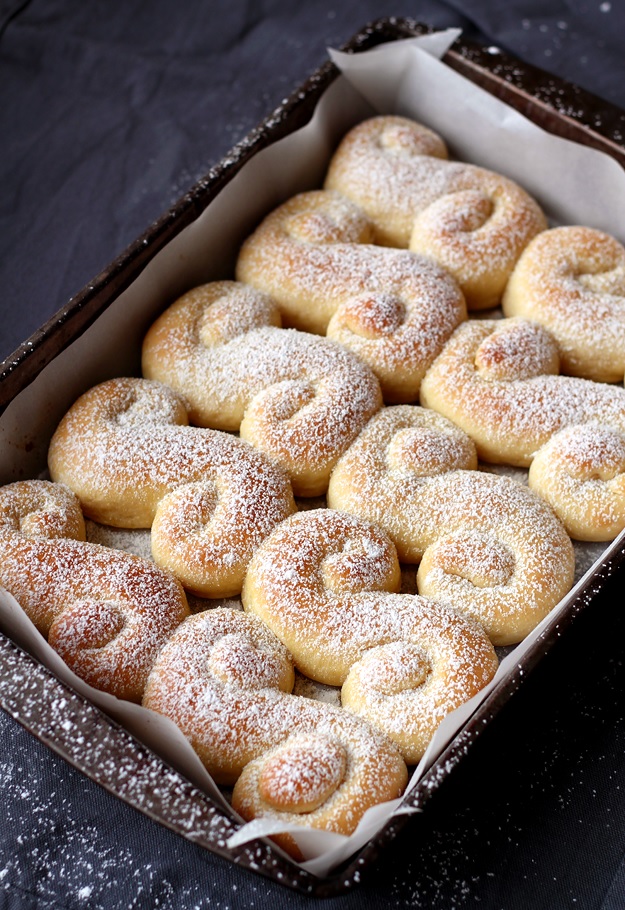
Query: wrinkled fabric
[(109, 111)]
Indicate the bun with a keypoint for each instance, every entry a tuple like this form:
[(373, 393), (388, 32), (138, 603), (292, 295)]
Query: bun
[(326, 584), (127, 452), (298, 398), (572, 281), (226, 681), (486, 544), (472, 221), (314, 255), (106, 612)]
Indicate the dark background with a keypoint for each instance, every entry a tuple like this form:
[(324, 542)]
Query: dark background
[(109, 111)]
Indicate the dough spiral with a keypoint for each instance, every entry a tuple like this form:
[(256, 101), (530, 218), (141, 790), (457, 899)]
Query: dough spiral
[(471, 220), (498, 380), (126, 450), (298, 398), (581, 473), (572, 280), (314, 255), (226, 681), (325, 583), (106, 612), (485, 543)]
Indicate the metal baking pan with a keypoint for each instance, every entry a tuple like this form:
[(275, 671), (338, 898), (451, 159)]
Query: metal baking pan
[(63, 719)]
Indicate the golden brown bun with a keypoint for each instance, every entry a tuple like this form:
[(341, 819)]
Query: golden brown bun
[(106, 612), (472, 221), (127, 452), (296, 397), (226, 680), (497, 379), (392, 308), (325, 582), (572, 281), (581, 472), (485, 544)]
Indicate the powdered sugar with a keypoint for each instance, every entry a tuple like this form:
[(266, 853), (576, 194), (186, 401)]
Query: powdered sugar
[(510, 420), (299, 398), (392, 308), (134, 467), (572, 280), (472, 221), (337, 613), (106, 612), (519, 561), (226, 680)]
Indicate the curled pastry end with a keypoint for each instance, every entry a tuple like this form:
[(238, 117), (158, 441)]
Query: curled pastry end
[(517, 350), (581, 473)]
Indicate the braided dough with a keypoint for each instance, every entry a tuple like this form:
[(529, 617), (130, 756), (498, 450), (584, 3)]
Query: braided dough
[(395, 310), (572, 281), (226, 681), (472, 221), (298, 398), (325, 583), (106, 612), (127, 452), (485, 543), (497, 379)]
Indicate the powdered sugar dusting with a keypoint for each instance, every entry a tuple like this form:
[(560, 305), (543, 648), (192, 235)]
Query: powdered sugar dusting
[(134, 466), (392, 308), (299, 398), (519, 561), (336, 607), (572, 280), (473, 221), (106, 612), (491, 566), (581, 472), (510, 420), (227, 681)]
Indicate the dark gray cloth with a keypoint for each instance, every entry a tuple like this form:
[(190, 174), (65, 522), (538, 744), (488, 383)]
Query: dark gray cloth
[(109, 111)]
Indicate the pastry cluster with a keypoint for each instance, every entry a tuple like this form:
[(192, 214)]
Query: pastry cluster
[(341, 362)]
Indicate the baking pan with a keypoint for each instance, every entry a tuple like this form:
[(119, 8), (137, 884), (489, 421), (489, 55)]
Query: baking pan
[(65, 720)]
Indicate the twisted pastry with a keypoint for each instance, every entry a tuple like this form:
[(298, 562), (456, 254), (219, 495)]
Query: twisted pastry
[(498, 381), (485, 543), (472, 221), (325, 583), (572, 281), (299, 398), (106, 612), (395, 310), (127, 452), (581, 473), (226, 681)]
